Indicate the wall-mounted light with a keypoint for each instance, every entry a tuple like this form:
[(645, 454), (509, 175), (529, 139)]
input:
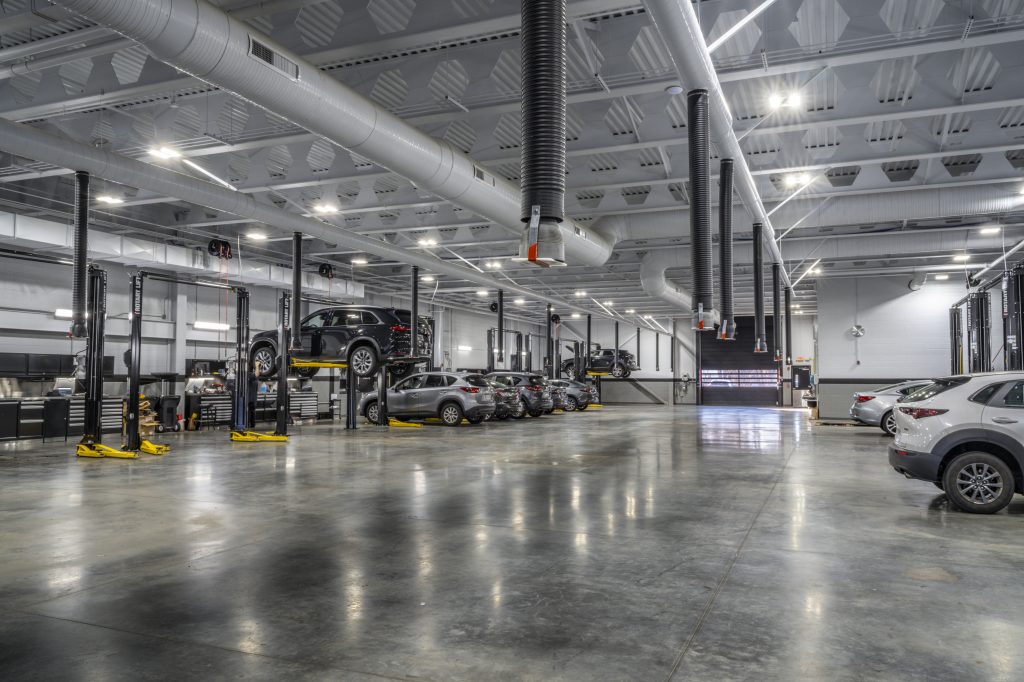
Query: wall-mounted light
[(942, 276), (465, 349), (211, 326), (107, 199), (63, 313), (991, 229)]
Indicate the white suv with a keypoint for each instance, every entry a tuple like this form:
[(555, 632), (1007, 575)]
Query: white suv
[(966, 435)]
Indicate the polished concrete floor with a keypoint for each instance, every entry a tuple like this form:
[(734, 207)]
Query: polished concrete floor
[(624, 544)]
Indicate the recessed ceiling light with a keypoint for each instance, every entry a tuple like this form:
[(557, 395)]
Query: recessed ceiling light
[(519, 301), (962, 257), (942, 276), (674, 89), (481, 292), (164, 153), (325, 208), (107, 199), (359, 261), (991, 229), (256, 236)]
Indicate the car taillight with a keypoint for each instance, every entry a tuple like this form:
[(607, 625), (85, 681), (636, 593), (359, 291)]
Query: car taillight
[(864, 398), (399, 328), (469, 389), (921, 412), (534, 388)]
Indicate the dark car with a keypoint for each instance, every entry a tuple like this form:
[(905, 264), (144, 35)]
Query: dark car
[(534, 396), (363, 336), (619, 364)]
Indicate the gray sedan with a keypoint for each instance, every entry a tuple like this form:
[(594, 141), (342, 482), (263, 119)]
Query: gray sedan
[(449, 396), (875, 407), (578, 395)]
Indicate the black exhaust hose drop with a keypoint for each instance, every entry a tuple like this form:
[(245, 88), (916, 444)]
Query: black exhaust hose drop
[(295, 343), (787, 301), (776, 311), (700, 209), (725, 260), (759, 340), (543, 109), (79, 327)]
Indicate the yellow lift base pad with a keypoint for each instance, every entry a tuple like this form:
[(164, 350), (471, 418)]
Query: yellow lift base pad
[(319, 365), (99, 450), (405, 425), (256, 437), (154, 448)]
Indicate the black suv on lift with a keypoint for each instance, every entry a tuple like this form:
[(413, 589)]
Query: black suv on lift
[(604, 360), (360, 335)]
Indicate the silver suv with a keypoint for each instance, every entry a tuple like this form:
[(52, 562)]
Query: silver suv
[(446, 395), (578, 395), (534, 395)]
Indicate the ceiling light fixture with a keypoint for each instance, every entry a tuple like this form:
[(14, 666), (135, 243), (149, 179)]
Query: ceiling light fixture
[(359, 261), (962, 257), (991, 229), (63, 313), (211, 326), (426, 241), (481, 292), (575, 316), (256, 236), (519, 301), (609, 303), (942, 276), (674, 89), (630, 311), (325, 208), (580, 294), (107, 199), (427, 278), (796, 180), (164, 153), (465, 349)]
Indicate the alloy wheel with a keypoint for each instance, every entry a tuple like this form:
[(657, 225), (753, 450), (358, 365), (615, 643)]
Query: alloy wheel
[(373, 413), (263, 360), (979, 483), (361, 360), (890, 424), (450, 415)]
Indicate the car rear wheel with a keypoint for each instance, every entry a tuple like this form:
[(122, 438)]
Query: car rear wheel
[(372, 412), (571, 404), (450, 414), (978, 483), (264, 360), (581, 407), (888, 423), (535, 413), (474, 420), (618, 371), (519, 411), (363, 361)]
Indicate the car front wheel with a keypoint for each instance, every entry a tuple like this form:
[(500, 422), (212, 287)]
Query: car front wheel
[(888, 423), (978, 483), (450, 414), (372, 412), (264, 360), (571, 404), (618, 371)]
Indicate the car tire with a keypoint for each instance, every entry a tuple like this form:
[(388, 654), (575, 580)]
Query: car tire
[(618, 371), (581, 407), (364, 361), (474, 420), (502, 417), (400, 370), (450, 414), (535, 413), (520, 411), (626, 374), (571, 404), (888, 423), (307, 372), (263, 358), (372, 412), (159, 428), (978, 483), (549, 410)]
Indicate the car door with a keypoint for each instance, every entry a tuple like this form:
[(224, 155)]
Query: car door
[(332, 337), (311, 332), (403, 396), (434, 390), (1004, 411)]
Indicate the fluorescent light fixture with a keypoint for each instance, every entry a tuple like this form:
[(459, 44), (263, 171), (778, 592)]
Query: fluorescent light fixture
[(427, 241), (465, 349), (492, 265), (64, 313), (796, 180), (630, 311), (991, 229), (962, 257), (794, 100), (427, 278), (816, 271), (648, 317), (775, 100), (575, 316), (256, 236), (799, 312), (941, 276), (796, 306), (481, 292), (580, 294), (325, 208), (164, 153), (609, 303), (107, 199), (211, 326), (196, 166), (359, 261), (519, 301)]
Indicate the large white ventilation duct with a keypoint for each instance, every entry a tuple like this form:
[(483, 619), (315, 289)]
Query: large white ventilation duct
[(31, 143), (681, 32), (202, 40)]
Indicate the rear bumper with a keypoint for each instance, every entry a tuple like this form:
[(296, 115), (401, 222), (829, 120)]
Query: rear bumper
[(480, 411), (920, 465), (540, 404), (863, 416)]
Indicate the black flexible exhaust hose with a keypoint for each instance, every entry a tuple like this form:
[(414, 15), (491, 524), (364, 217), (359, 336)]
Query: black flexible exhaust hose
[(543, 109), (79, 328), (776, 311), (788, 303), (295, 342), (759, 340), (700, 208), (725, 187)]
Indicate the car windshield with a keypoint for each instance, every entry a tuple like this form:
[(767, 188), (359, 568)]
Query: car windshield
[(935, 388), (476, 380)]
